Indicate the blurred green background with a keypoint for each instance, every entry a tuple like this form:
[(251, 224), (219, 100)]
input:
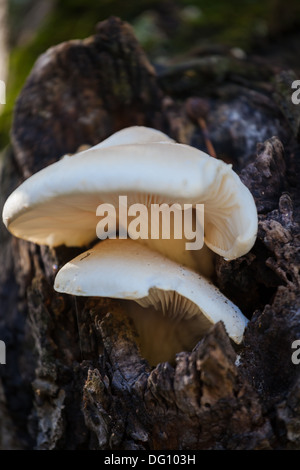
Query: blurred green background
[(167, 29)]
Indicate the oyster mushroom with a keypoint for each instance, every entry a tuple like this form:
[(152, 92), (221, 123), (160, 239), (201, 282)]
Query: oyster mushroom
[(58, 204), (171, 306)]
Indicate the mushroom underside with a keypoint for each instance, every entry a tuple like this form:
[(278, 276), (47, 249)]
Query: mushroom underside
[(171, 306), (166, 323), (71, 220)]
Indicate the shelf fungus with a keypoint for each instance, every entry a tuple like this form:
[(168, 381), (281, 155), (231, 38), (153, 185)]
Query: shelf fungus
[(58, 205), (171, 306)]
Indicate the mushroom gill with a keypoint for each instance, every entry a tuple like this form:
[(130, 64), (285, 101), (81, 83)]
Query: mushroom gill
[(58, 204)]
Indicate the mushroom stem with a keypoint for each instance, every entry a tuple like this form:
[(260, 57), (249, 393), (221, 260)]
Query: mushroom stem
[(160, 335), (200, 261)]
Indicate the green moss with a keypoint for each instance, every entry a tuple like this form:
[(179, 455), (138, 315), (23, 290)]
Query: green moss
[(71, 19)]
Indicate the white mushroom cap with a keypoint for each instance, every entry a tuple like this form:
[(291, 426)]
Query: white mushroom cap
[(134, 135), (125, 269), (58, 204)]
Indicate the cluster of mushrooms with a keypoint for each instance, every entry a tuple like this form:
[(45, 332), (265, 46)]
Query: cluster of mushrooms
[(165, 289)]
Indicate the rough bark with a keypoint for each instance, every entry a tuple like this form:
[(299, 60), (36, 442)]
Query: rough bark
[(74, 378)]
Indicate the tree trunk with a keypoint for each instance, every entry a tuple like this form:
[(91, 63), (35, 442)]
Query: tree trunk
[(3, 51), (74, 378)]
